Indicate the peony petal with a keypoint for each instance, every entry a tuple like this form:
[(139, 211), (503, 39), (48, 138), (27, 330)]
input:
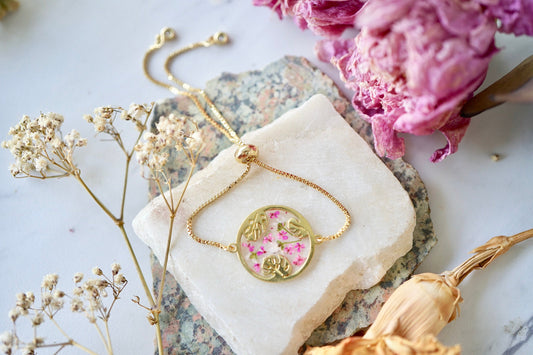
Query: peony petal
[(328, 49), (454, 132)]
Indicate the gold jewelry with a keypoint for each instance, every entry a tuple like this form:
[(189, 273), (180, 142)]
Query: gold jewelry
[(275, 242)]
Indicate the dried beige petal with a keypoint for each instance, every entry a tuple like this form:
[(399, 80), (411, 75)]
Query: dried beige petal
[(423, 305), (386, 345)]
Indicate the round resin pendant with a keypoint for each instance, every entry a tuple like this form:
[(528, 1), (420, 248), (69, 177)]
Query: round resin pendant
[(275, 243)]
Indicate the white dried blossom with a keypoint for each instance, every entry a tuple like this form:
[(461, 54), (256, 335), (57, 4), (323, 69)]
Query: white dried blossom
[(76, 305), (78, 291), (37, 146), (78, 277), (7, 342), (14, 313), (25, 301), (29, 349), (195, 142), (119, 279), (37, 320), (56, 304), (46, 299), (49, 281), (173, 132), (135, 112), (59, 294), (115, 268), (97, 271)]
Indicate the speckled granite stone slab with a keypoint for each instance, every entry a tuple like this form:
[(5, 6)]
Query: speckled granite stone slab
[(249, 101)]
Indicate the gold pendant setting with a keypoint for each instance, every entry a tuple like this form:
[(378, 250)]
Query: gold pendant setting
[(275, 243)]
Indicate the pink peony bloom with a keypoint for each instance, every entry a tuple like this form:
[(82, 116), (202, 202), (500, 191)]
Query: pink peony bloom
[(327, 18), (516, 16), (413, 65)]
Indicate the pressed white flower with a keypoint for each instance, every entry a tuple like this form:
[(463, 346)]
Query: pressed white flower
[(59, 294)]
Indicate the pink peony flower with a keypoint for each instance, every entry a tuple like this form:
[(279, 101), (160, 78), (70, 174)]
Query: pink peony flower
[(413, 65), (327, 18), (324, 17), (281, 7), (516, 16)]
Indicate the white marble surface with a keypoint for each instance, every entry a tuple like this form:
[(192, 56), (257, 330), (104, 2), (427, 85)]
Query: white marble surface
[(71, 57)]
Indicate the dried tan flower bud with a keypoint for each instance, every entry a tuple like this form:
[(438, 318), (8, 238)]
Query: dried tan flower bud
[(422, 305), (386, 345)]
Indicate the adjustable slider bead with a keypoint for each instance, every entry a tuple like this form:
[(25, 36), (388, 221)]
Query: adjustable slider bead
[(246, 153)]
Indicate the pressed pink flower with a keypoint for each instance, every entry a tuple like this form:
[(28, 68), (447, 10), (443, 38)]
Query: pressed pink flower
[(289, 249), (274, 214), (299, 260), (261, 251), (299, 247), (268, 238), (413, 65), (249, 246), (257, 268), (327, 18), (282, 234)]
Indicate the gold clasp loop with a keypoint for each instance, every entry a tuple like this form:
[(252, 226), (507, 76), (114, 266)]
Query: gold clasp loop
[(219, 38), (166, 34), (232, 248)]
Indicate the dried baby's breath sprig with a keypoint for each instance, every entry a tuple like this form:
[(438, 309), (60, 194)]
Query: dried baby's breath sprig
[(7, 6), (41, 151), (174, 133), (39, 148), (90, 298)]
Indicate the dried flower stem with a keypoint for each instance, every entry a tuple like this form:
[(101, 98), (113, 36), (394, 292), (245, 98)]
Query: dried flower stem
[(103, 339), (70, 340), (485, 254)]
